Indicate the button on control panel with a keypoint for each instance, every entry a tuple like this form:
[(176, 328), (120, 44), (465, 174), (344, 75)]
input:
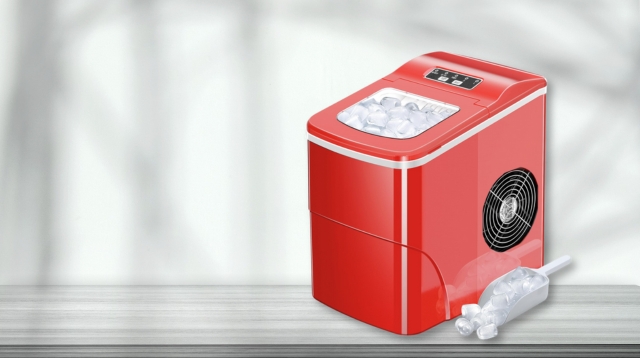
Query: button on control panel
[(453, 78)]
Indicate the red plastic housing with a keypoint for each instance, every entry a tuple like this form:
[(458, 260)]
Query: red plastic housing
[(396, 225)]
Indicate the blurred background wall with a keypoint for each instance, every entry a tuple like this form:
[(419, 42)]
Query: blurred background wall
[(146, 142)]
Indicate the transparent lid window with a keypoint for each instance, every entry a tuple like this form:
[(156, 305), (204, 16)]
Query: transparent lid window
[(396, 114)]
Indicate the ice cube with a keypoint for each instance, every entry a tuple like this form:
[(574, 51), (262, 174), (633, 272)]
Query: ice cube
[(419, 120), (354, 122), (536, 282), (372, 129), (464, 326), (344, 116), (434, 118), (487, 306), (419, 131), (497, 317), (368, 102), (412, 106), (399, 112), (360, 111), (471, 310), (374, 107), (378, 119), (405, 129), (487, 331), (388, 133), (479, 320), (389, 102), (520, 286), (500, 301), (518, 274), (394, 123), (501, 287)]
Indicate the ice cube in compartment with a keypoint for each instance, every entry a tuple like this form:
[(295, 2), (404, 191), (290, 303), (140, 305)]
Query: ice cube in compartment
[(369, 101), (412, 106), (354, 122), (393, 124), (374, 107), (419, 120), (378, 119), (390, 102), (434, 118), (373, 129), (359, 110), (388, 133), (399, 112), (399, 107), (405, 129)]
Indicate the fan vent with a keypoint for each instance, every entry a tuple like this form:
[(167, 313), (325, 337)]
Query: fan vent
[(510, 209)]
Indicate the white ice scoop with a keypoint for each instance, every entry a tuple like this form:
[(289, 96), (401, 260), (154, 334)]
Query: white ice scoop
[(530, 299)]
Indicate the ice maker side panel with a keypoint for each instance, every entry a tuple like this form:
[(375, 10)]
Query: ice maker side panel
[(518, 140), (361, 195), (443, 215)]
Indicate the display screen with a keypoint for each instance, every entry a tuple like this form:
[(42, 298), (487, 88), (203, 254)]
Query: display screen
[(453, 78)]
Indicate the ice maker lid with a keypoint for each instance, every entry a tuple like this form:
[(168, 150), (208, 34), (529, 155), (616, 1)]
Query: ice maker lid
[(463, 91)]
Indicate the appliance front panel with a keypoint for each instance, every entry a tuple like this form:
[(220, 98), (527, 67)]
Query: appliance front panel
[(357, 274), (357, 194), (377, 281)]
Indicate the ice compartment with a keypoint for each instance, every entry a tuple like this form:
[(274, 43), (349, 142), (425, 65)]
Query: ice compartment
[(396, 114)]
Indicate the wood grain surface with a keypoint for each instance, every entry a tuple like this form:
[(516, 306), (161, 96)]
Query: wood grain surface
[(286, 320)]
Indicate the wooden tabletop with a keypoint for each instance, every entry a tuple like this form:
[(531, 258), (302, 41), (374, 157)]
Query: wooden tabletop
[(285, 320)]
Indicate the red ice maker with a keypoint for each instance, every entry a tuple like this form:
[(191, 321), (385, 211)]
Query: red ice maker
[(424, 187)]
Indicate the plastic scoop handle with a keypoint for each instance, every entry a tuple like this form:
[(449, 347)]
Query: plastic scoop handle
[(555, 265)]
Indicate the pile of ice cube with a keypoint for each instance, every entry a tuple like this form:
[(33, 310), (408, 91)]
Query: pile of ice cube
[(394, 116), (506, 293)]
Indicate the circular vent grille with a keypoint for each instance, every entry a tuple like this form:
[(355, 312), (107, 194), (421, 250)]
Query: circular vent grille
[(510, 209)]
